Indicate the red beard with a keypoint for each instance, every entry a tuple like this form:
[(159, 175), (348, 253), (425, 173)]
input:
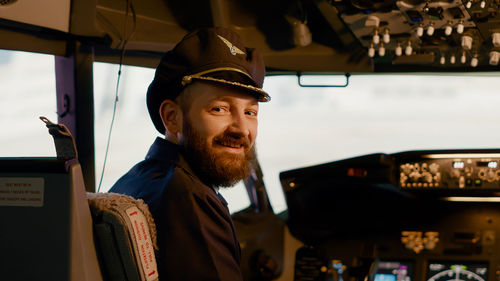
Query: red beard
[(217, 168)]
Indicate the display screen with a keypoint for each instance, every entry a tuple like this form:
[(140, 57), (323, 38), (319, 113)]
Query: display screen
[(489, 164), (394, 271), (464, 271), (458, 164)]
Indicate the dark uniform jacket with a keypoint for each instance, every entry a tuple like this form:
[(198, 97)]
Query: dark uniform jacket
[(196, 235)]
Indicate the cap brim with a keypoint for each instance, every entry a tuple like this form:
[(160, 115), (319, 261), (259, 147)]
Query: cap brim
[(258, 93), (230, 76)]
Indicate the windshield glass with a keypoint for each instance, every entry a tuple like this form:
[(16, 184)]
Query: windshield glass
[(27, 91), (375, 113), (307, 126)]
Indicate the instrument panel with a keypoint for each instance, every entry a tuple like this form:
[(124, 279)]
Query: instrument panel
[(408, 216), (435, 271), (453, 171)]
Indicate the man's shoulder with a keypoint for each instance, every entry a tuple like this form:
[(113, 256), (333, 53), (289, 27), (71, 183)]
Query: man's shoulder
[(184, 182)]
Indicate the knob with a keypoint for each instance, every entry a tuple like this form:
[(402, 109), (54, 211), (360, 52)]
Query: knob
[(381, 50), (495, 38), (371, 51), (415, 176), (437, 177), (433, 168), (408, 49), (452, 59), (491, 176), (430, 30), (460, 28), (376, 38), (407, 168), (494, 57), (466, 42), (474, 61), (448, 30), (399, 50), (420, 31), (427, 177), (387, 36)]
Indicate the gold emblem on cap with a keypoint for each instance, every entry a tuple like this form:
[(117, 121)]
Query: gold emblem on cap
[(232, 48)]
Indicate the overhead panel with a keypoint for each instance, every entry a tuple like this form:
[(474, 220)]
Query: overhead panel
[(53, 14)]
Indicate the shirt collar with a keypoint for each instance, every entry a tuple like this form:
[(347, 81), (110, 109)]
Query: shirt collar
[(167, 152), (163, 150)]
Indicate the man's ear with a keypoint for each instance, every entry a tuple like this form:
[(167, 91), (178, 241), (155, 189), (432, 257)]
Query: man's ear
[(171, 116)]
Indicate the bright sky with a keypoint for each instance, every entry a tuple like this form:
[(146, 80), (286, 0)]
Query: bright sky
[(299, 127)]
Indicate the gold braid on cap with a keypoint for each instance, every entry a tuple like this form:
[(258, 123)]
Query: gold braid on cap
[(189, 78)]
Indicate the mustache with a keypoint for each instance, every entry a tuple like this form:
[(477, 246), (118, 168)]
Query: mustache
[(233, 140)]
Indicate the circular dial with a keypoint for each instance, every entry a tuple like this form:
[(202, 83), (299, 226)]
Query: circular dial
[(456, 272)]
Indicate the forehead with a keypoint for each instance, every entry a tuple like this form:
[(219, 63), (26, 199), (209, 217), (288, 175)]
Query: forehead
[(201, 92)]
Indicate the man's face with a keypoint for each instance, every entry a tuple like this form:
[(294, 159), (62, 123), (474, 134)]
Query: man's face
[(218, 132)]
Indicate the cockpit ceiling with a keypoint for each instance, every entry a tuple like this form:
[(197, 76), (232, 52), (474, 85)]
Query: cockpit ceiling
[(298, 35)]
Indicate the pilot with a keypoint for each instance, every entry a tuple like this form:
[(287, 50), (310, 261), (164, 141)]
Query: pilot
[(205, 99)]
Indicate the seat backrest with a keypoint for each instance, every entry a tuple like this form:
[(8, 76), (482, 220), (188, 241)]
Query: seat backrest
[(46, 230), (125, 237)]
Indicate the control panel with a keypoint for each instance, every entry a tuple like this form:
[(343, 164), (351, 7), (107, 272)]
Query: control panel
[(454, 33), (378, 217), (443, 171)]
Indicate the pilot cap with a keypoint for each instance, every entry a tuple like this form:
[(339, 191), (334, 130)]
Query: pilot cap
[(210, 54)]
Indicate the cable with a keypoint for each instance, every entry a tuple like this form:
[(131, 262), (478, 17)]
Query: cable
[(115, 104)]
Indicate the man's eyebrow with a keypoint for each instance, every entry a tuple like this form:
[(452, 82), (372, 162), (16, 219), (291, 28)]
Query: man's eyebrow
[(230, 99)]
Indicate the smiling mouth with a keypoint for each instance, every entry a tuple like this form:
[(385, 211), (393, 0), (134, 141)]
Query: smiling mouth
[(231, 145)]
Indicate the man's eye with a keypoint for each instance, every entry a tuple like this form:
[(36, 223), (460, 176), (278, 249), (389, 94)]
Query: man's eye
[(251, 113), (219, 109)]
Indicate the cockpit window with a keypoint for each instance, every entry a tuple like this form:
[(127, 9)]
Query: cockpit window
[(375, 113), (27, 91), (307, 126)]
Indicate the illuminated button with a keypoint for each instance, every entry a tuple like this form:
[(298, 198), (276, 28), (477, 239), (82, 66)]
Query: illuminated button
[(419, 184), (436, 184), (426, 184), (461, 182), (478, 182), (403, 184), (468, 182), (414, 184)]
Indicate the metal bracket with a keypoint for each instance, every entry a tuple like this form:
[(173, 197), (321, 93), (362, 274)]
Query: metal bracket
[(299, 80)]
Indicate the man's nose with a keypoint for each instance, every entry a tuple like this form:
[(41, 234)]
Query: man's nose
[(240, 124)]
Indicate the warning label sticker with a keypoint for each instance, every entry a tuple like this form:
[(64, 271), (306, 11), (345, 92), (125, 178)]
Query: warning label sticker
[(21, 192), (144, 244)]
